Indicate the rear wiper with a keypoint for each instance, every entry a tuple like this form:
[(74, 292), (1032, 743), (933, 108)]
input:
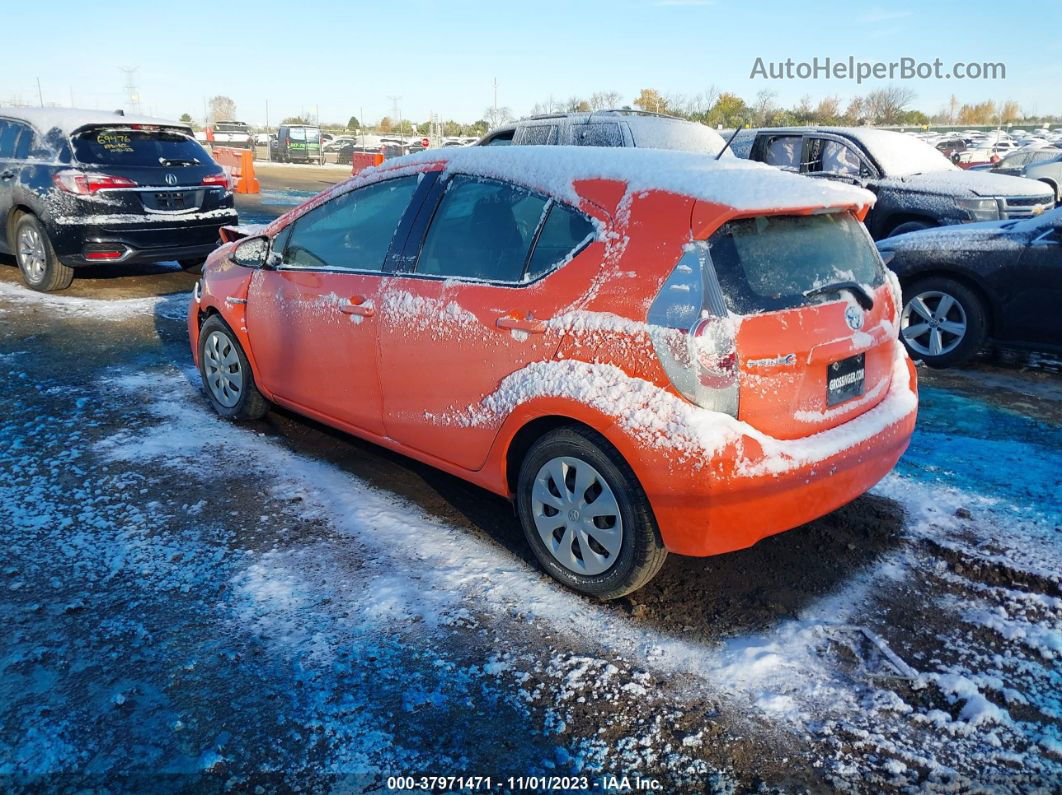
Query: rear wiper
[(865, 299), (178, 162)]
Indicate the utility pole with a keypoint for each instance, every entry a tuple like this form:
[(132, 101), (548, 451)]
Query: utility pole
[(397, 111), (267, 116), (494, 114), (131, 92), (40, 94)]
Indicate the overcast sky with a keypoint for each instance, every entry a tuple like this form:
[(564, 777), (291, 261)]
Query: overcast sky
[(351, 58)]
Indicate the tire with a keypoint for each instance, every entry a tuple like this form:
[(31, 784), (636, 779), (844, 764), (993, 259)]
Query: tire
[(910, 226), (192, 265), (226, 373), (634, 553), (41, 270), (957, 333)]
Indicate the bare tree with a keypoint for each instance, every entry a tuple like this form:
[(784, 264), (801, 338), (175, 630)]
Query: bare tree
[(828, 111), (603, 100), (496, 116), (884, 105), (222, 109), (762, 107), (576, 105)]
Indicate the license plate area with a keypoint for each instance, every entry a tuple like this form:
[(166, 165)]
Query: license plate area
[(844, 379)]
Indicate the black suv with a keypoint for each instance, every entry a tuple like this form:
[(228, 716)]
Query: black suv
[(917, 187), (83, 188)]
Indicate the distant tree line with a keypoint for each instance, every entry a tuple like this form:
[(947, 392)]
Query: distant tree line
[(890, 105)]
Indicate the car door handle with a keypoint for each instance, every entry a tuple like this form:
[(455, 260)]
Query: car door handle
[(357, 305), (529, 324), (9, 174)]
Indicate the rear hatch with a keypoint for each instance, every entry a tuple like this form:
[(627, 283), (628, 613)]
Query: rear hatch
[(816, 329), (170, 172)]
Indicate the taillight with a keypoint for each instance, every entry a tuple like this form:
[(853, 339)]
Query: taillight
[(221, 180), (85, 183), (693, 335)]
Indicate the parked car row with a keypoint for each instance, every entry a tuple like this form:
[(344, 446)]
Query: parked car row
[(608, 390)]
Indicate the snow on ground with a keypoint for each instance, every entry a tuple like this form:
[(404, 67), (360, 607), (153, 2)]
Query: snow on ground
[(187, 595)]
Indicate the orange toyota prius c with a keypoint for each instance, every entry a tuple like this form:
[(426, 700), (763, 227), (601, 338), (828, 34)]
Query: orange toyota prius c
[(647, 351)]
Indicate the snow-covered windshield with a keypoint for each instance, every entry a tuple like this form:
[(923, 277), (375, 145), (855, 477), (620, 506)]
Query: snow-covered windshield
[(119, 147), (769, 262), (900, 154)]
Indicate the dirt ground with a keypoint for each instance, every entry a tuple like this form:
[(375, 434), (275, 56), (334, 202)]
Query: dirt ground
[(197, 604)]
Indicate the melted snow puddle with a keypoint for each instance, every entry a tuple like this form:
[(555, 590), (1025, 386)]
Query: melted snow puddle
[(783, 674)]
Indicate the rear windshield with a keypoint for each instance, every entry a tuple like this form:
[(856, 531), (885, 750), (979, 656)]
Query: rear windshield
[(769, 262), (304, 134), (117, 147)]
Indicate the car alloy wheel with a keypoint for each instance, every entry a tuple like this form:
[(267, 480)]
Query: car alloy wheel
[(224, 374), (31, 254), (577, 516), (933, 323)]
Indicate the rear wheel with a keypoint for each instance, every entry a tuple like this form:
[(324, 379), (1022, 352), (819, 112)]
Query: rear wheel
[(227, 375), (943, 322), (585, 515), (41, 269)]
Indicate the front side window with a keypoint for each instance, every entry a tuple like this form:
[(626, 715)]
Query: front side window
[(784, 151), (769, 262), (118, 147), (836, 158), (539, 135), (353, 231), (482, 229)]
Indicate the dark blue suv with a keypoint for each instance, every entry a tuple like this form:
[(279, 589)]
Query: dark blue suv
[(81, 188)]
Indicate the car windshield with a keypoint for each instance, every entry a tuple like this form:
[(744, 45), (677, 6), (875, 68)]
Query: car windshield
[(900, 155), (771, 262), (123, 147)]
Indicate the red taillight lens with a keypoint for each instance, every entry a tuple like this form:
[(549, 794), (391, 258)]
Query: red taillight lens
[(221, 180), (86, 183), (694, 336), (104, 254)]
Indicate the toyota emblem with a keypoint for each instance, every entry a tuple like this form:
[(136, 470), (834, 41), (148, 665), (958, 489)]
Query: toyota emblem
[(854, 316), (171, 179)]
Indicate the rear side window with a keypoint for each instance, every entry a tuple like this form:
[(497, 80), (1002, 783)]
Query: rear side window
[(769, 262), (482, 229), (783, 151), (563, 234), (8, 136), (117, 147), (352, 231), (598, 134)]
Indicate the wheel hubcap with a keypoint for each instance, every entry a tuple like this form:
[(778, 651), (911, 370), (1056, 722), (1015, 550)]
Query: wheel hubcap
[(31, 253), (224, 376), (933, 323), (577, 516)]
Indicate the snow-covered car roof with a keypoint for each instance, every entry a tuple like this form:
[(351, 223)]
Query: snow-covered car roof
[(732, 182), (70, 120)]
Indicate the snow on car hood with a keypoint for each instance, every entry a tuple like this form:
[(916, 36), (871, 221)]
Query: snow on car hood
[(987, 235), (972, 183), (732, 182)]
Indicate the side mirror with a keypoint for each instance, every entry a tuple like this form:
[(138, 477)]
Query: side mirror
[(252, 252)]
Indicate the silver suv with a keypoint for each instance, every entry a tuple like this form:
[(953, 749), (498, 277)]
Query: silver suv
[(1044, 164), (608, 128)]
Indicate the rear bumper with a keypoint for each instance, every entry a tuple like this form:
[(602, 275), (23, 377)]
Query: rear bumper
[(139, 242), (748, 492)]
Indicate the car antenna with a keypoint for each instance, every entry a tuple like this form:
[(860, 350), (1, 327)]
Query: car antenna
[(726, 146)]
